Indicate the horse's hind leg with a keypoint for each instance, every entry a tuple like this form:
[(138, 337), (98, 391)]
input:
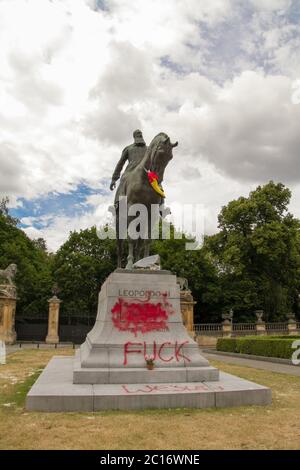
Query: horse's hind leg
[(120, 241), (138, 250), (120, 252)]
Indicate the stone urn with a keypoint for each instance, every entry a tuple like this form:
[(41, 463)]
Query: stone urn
[(259, 316)]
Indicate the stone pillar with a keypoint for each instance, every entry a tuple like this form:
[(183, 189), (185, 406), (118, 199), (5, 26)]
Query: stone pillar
[(292, 324), (8, 301), (187, 310), (227, 324), (260, 325), (53, 320)]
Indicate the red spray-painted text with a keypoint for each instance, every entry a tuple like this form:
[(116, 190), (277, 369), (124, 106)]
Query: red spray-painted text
[(165, 352), (141, 315)]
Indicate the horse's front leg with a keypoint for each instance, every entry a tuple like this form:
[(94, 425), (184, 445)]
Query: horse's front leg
[(138, 250), (146, 248), (129, 264)]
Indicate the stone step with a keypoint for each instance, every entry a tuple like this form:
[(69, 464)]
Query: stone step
[(138, 375), (54, 391)]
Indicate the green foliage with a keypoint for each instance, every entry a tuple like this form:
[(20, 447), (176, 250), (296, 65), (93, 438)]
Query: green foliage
[(197, 267), (33, 278), (252, 263), (267, 346), (257, 254), (227, 346), (80, 267), (40, 243), (4, 211)]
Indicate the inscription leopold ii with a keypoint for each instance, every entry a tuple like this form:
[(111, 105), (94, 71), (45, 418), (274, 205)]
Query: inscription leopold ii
[(143, 293)]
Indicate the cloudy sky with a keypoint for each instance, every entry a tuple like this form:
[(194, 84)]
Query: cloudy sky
[(78, 76)]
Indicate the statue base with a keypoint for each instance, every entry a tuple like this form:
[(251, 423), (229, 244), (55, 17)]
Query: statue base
[(52, 339), (138, 316), (9, 338), (54, 391)]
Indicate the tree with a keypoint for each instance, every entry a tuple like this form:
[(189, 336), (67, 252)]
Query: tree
[(40, 243), (197, 267), (257, 253), (80, 266), (33, 278), (4, 211)]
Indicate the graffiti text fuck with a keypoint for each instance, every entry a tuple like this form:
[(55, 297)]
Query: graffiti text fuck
[(165, 352)]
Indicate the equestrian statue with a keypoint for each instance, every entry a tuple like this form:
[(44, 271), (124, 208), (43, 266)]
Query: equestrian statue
[(140, 184)]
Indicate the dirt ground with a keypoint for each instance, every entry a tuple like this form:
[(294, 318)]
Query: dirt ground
[(253, 427)]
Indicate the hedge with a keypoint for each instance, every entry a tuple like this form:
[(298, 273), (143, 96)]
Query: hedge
[(267, 346)]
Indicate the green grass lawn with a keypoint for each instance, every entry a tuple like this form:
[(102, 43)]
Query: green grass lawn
[(252, 427)]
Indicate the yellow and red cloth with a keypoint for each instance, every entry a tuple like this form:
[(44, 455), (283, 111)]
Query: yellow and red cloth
[(153, 177)]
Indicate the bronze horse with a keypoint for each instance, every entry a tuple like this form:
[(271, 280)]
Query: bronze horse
[(135, 189)]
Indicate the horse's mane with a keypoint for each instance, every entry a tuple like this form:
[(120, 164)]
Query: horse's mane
[(151, 150)]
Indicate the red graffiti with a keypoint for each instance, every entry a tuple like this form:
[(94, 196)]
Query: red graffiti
[(149, 388), (160, 352), (143, 348), (178, 353), (141, 316), (127, 350)]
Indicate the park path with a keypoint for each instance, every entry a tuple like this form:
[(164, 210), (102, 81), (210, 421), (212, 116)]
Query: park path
[(271, 366)]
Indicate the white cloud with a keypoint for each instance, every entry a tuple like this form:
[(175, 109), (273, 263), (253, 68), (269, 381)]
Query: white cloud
[(271, 5), (59, 227), (250, 131), (76, 81)]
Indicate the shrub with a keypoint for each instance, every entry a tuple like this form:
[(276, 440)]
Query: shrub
[(227, 344), (260, 346)]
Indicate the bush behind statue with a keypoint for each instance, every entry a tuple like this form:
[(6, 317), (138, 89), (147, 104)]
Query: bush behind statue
[(268, 346)]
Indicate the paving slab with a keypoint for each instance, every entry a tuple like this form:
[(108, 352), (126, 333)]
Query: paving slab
[(54, 391)]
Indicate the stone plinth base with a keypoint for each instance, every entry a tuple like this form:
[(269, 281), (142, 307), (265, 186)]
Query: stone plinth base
[(133, 375), (138, 316), (55, 391), (9, 337), (7, 316), (53, 319), (52, 339)]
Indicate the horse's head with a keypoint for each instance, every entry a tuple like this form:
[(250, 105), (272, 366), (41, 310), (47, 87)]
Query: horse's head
[(159, 154)]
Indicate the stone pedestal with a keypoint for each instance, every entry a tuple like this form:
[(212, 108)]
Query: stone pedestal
[(8, 300), (292, 324), (139, 315), (187, 310), (227, 324), (53, 320), (260, 328), (260, 325), (226, 328)]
